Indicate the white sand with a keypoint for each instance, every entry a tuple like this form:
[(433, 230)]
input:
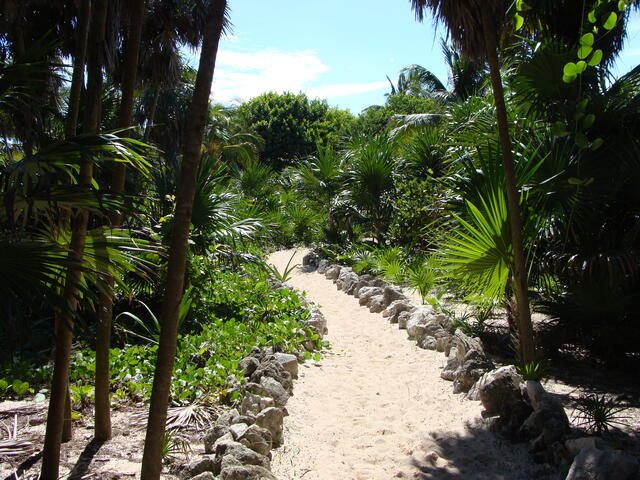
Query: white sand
[(376, 408)]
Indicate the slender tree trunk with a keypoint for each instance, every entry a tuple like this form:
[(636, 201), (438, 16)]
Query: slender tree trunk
[(152, 457), (65, 319), (152, 114), (525, 328), (77, 79), (105, 309)]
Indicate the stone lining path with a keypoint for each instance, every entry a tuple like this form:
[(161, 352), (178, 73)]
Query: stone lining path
[(376, 408)]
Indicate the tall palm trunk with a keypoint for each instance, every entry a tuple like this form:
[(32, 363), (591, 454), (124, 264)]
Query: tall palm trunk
[(77, 78), (71, 125), (152, 114), (152, 457), (105, 309), (525, 328), (65, 319)]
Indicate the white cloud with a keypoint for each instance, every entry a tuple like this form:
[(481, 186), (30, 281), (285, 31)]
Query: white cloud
[(344, 89), (243, 75)]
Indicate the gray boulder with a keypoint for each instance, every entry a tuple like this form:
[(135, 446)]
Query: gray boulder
[(196, 467), (548, 423), (393, 293), (271, 368), (317, 322), (594, 464), (246, 472), (366, 293), (212, 437), (204, 476), (228, 417), (346, 279), (403, 319), (453, 363), (268, 387), (272, 419), (395, 308), (501, 395), (333, 272), (237, 430), (311, 259), (575, 445), (248, 365), (323, 266), (473, 365), (242, 455), (289, 362), (363, 281), (377, 304), (428, 343), (257, 439), (419, 317), (253, 404)]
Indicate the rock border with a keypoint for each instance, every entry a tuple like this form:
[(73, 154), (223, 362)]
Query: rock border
[(238, 446), (517, 409)]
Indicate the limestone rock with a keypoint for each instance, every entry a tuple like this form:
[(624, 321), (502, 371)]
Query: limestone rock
[(289, 362), (501, 394), (268, 387), (253, 404), (428, 343), (346, 279), (333, 272), (419, 317), (403, 319), (238, 429), (363, 281), (212, 437), (575, 445), (272, 420), (228, 417), (323, 266), (246, 472), (271, 368), (377, 304), (241, 453), (449, 371), (395, 308), (317, 322), (204, 476), (257, 439), (594, 464), (366, 293), (311, 259), (548, 423), (248, 365), (392, 293), (196, 467), (472, 367)]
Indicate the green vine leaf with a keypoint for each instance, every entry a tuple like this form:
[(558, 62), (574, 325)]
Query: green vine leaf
[(519, 21), (596, 58), (581, 66), (587, 40), (592, 17), (611, 21), (597, 143), (584, 51), (588, 121)]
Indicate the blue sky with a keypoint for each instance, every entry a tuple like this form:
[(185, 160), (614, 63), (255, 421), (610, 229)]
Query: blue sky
[(340, 50)]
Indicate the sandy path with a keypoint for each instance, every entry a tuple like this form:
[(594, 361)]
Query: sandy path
[(370, 408)]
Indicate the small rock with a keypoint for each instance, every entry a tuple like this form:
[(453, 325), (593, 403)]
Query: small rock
[(473, 366), (346, 279), (238, 429), (268, 387), (257, 439), (248, 365), (394, 310), (574, 445), (317, 322), (310, 260), (366, 293), (377, 304), (272, 420), (242, 455), (428, 343), (273, 369), (333, 272), (323, 265), (204, 476), (289, 362), (246, 472), (253, 404), (594, 464), (403, 318), (228, 418), (548, 423), (212, 437), (196, 467), (393, 293)]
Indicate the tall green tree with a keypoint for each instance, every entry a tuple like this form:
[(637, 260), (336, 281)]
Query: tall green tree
[(215, 17), (475, 27)]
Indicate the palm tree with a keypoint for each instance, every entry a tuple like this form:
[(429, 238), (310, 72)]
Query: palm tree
[(215, 21), (475, 27), (65, 319), (105, 308)]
